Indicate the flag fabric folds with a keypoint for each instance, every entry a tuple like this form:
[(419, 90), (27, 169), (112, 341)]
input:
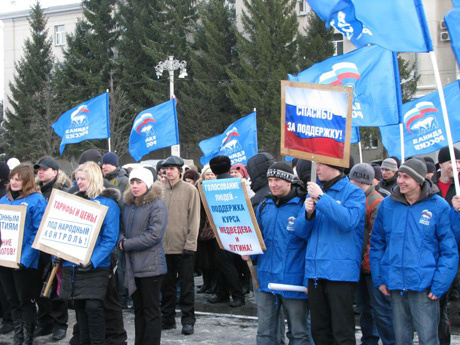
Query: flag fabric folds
[(374, 75), (88, 120), (423, 124), (397, 25), (452, 20), (154, 128), (238, 142)]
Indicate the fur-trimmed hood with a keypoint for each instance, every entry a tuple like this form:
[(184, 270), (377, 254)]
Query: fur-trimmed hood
[(155, 192), (112, 193)]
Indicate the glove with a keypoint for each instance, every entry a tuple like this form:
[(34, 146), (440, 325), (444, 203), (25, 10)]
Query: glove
[(21, 267), (86, 268), (188, 252), (56, 261)]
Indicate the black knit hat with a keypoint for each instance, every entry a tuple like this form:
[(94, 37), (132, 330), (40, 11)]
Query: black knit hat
[(220, 165), (444, 154), (303, 169), (90, 156), (282, 171), (4, 171), (415, 168)]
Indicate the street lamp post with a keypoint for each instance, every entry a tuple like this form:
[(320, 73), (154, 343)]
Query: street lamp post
[(172, 65)]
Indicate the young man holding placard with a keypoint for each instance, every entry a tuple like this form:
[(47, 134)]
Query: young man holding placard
[(333, 223), (284, 260)]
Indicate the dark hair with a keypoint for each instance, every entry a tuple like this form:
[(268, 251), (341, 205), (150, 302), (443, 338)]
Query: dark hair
[(26, 173)]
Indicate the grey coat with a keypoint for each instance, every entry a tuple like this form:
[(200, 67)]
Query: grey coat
[(144, 225)]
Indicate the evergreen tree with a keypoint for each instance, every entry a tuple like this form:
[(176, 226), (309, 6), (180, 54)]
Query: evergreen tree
[(33, 102), (140, 21), (89, 69), (267, 50), (317, 45), (205, 99)]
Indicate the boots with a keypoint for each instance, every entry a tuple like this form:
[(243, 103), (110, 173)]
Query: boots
[(18, 333), (29, 328)]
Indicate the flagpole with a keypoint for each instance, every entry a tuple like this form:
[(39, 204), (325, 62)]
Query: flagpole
[(108, 139), (401, 136), (360, 152), (446, 120)]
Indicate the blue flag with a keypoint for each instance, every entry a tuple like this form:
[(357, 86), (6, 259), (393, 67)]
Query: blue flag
[(397, 25), (452, 20), (89, 120), (374, 75), (423, 124), (153, 129), (238, 142)]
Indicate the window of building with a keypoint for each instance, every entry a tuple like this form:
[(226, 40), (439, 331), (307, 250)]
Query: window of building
[(338, 41), (302, 6), (60, 35), (371, 142)]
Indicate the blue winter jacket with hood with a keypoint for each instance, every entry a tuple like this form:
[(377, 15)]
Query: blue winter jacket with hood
[(335, 234), (36, 205), (413, 246), (284, 260)]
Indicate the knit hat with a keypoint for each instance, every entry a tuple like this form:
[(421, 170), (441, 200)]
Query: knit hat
[(444, 154), (110, 158), (220, 165), (389, 164), (303, 169), (430, 167), (415, 168), (362, 172), (336, 167), (142, 174), (282, 171), (90, 156), (241, 168), (377, 172), (192, 174), (4, 171), (13, 162), (46, 163)]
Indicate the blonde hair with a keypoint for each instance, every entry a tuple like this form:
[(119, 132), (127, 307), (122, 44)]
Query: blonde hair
[(96, 181)]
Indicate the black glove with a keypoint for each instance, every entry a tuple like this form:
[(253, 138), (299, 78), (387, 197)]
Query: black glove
[(21, 267), (188, 252), (86, 268), (56, 261)]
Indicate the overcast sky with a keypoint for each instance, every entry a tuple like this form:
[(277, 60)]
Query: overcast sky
[(19, 5)]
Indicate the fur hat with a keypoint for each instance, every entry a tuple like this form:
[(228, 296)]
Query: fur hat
[(220, 165)]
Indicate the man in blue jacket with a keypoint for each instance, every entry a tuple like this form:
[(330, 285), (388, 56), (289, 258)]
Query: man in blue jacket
[(333, 223), (413, 253), (284, 260)]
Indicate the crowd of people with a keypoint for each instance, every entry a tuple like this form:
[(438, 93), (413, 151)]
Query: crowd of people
[(380, 236)]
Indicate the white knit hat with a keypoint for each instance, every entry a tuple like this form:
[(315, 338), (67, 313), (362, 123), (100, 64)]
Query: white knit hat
[(142, 174)]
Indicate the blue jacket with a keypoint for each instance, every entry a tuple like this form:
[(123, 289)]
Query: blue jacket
[(108, 235), (455, 222), (36, 205), (284, 260), (335, 234), (413, 246)]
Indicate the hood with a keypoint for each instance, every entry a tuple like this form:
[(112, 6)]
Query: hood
[(112, 193), (257, 169), (155, 192)]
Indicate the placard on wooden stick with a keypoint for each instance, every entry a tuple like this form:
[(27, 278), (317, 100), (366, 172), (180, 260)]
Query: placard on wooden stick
[(12, 220), (70, 227), (231, 216), (316, 122)]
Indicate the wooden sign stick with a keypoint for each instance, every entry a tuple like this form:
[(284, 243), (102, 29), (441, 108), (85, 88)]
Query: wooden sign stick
[(47, 292)]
